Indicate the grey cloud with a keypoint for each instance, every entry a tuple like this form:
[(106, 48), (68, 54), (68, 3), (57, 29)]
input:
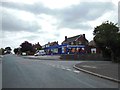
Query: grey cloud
[(75, 25), (12, 23), (75, 16), (71, 17), (57, 34), (32, 37), (36, 8)]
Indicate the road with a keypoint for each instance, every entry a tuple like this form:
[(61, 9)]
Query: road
[(29, 73)]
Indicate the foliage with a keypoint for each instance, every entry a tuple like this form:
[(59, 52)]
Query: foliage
[(8, 50), (16, 50), (26, 46), (2, 51), (107, 38)]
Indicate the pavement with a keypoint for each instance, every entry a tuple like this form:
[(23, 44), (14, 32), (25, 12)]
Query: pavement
[(46, 57), (103, 69)]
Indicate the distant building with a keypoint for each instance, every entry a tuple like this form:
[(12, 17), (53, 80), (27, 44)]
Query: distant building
[(76, 44), (72, 45), (55, 43), (93, 48), (37, 46), (51, 48), (76, 40)]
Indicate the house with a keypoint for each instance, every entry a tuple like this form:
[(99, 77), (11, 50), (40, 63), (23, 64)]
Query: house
[(75, 44), (51, 48), (71, 45), (37, 46), (55, 43), (93, 47), (76, 40)]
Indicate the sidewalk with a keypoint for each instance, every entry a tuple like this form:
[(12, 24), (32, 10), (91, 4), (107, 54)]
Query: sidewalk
[(103, 69), (46, 57)]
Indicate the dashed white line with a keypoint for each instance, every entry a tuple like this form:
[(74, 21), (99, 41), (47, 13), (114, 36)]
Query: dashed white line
[(76, 71), (68, 69), (62, 67)]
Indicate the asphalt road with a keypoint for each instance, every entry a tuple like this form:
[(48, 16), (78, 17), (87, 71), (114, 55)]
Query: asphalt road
[(18, 72)]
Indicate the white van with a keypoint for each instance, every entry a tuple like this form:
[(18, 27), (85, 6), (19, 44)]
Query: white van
[(40, 52), (24, 54)]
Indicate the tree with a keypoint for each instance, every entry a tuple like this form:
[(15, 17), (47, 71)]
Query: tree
[(2, 51), (16, 50), (107, 38), (26, 47), (8, 50)]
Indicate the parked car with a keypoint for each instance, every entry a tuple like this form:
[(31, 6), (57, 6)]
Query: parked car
[(40, 52), (24, 54)]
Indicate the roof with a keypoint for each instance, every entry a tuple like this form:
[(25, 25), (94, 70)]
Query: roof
[(71, 39), (52, 43), (80, 37), (92, 43)]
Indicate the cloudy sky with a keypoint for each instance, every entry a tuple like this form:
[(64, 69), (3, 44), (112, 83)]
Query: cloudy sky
[(46, 21)]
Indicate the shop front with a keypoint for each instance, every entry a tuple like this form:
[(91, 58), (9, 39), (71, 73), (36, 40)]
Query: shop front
[(65, 49)]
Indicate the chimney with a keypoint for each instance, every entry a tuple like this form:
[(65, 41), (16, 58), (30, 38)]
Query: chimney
[(65, 38), (83, 35)]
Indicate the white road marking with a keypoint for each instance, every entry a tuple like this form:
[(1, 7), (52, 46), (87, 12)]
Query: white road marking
[(76, 71), (62, 67), (68, 69)]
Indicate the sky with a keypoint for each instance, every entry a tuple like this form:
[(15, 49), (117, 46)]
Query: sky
[(46, 21)]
